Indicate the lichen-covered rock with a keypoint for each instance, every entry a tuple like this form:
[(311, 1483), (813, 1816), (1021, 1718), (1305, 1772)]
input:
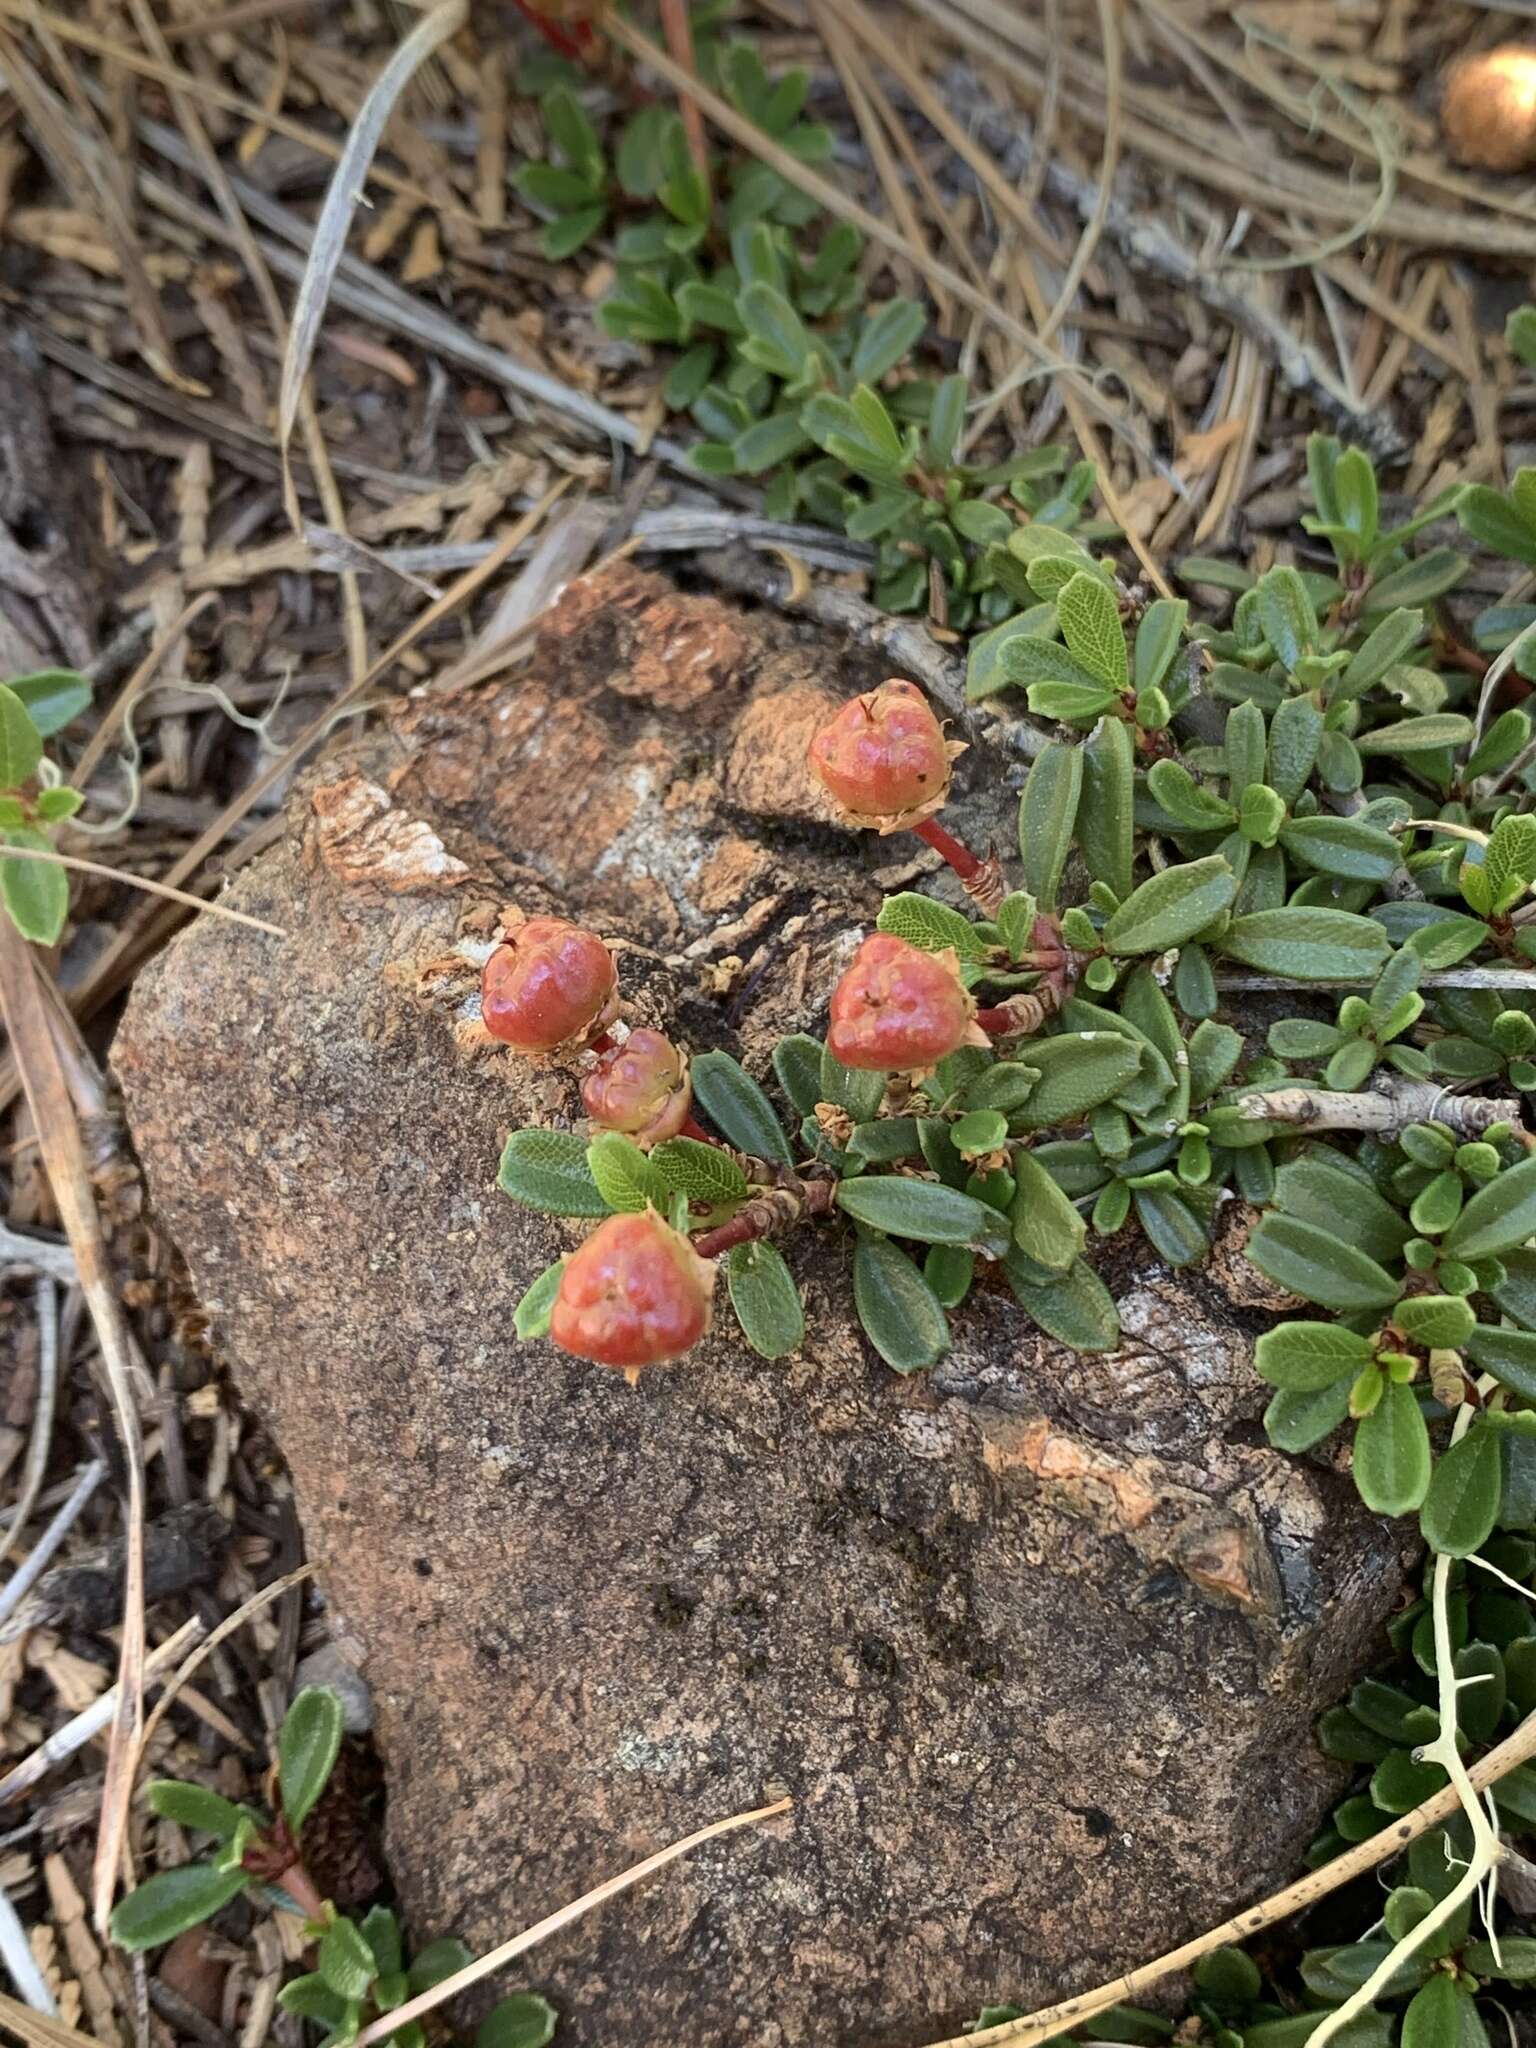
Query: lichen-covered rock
[(1034, 1641)]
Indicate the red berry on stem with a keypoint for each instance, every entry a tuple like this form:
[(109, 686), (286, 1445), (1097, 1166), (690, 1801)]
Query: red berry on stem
[(636, 1293), (549, 984), (884, 758), (640, 1088), (899, 1010)]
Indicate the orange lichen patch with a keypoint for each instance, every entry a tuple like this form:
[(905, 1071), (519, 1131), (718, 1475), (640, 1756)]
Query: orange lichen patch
[(361, 838), (1219, 1560), (766, 773), (738, 869), (1093, 1481)]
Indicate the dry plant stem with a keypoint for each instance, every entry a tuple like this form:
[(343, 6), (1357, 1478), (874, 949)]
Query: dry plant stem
[(27, 1025), (137, 683), (1521, 979), (1389, 1108), (1317, 1884), (678, 30), (768, 1214), (41, 1435), (26, 1575), (50, 858), (38, 2029), (1487, 1852), (414, 2008)]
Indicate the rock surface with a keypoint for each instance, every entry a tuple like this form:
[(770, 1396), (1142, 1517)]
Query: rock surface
[(1035, 1641)]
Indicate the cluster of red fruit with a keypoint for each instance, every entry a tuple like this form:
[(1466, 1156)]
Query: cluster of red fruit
[(636, 1292)]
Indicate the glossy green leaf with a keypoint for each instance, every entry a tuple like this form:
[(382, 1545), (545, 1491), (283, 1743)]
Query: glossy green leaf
[(1188, 802), (765, 1298), (949, 1270), (918, 1209), (1171, 907), (1047, 815), (1046, 1224), (1392, 1454), (171, 1902), (1501, 1215), (1290, 623), (438, 1961), (932, 926), (193, 1806), (1106, 805), (1304, 1357), (548, 1171), (1317, 1265), (52, 697), (1439, 1321), (1295, 734), (530, 1319), (1090, 625), (522, 2021), (624, 1176), (897, 1308), (704, 1173), (307, 1747), (797, 1063), (1307, 944), (1075, 1308), (346, 1961), (738, 1108), (889, 332), (1157, 640), (1462, 1504), (35, 892), (1510, 1355), (1342, 846), (1416, 735), (1077, 1070), (21, 744)]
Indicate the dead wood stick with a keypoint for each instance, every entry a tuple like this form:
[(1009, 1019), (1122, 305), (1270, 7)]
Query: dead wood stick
[(1389, 1108)]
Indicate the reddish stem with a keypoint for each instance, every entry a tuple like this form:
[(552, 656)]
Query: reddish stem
[(603, 1044), (997, 1021), (960, 858), (741, 1229), (575, 45), (692, 1128)]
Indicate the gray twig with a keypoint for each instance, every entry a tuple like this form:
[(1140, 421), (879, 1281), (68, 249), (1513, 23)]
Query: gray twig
[(1391, 1106), (26, 1575), (1522, 979), (16, 1953), (20, 1252)]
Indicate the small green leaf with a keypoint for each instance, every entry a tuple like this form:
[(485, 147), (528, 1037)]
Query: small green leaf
[(1392, 1454), (1439, 1321), (890, 332), (1295, 734), (949, 1270), (797, 1062), (21, 744), (1047, 814), (986, 665), (381, 1931), (56, 804), (1462, 1504), (1106, 807), (1307, 944), (775, 337), (918, 1209), (1290, 623), (765, 1298), (346, 1961), (1090, 625), (1173, 906), (1317, 1265), (1515, 1961), (1442, 2015), (1342, 846), (1501, 1215), (1304, 1357), (1077, 1071), (307, 1748), (548, 1171), (1075, 1308), (932, 926), (625, 1177), (1416, 735), (522, 2021), (1157, 640), (738, 1108), (980, 1131), (567, 126), (704, 1173), (311, 1998), (439, 1961), (1046, 1223), (1510, 1355), (53, 698), (898, 1309), (35, 892), (530, 1319), (171, 1902), (1189, 804), (192, 1806)]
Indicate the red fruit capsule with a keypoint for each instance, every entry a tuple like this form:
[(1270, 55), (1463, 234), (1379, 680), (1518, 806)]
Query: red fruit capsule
[(641, 1088), (551, 983), (899, 1010), (636, 1293), (884, 758)]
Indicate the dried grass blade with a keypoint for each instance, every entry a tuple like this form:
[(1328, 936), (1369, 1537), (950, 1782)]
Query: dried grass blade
[(342, 198), (41, 1436), (50, 857), (486, 1965), (30, 1031)]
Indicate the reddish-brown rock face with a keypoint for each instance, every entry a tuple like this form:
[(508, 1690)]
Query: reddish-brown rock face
[(1034, 1640)]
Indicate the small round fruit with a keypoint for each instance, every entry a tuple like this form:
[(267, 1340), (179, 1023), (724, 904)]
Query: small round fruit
[(1489, 108), (636, 1293), (640, 1088), (884, 758), (550, 984), (899, 1010)]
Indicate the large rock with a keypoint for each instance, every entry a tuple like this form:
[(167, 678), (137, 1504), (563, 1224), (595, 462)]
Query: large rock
[(1035, 1641)]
